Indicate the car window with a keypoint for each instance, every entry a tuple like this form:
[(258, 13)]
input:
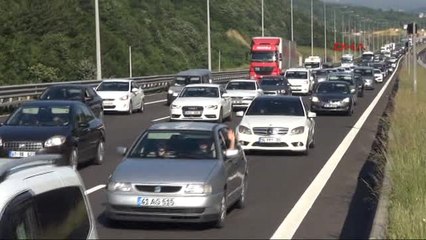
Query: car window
[(92, 92), (114, 86), (296, 75), (332, 88), (63, 93), (276, 106), (79, 116), (47, 116), (200, 92), (178, 144), (88, 114), (241, 86)]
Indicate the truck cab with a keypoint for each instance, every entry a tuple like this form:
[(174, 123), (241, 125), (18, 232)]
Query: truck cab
[(313, 63), (266, 57)]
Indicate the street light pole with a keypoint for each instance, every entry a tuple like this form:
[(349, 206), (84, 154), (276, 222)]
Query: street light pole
[(325, 33), (263, 20), (208, 37), (312, 27), (98, 43), (335, 32), (130, 62), (292, 36)]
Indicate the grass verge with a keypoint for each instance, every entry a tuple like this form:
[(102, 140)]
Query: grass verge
[(406, 154)]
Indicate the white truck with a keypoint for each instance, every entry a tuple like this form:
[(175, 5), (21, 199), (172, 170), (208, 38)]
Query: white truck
[(347, 60), (313, 63)]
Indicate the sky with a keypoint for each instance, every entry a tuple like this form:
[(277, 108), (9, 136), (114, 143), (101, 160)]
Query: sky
[(409, 5)]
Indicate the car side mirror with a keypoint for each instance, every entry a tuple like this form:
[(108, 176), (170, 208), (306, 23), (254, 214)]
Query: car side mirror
[(135, 89), (231, 153), (239, 113), (87, 99), (225, 95), (352, 90), (210, 81), (83, 125), (312, 115), (121, 150)]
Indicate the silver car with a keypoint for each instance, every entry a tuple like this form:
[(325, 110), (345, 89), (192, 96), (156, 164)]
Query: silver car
[(179, 172)]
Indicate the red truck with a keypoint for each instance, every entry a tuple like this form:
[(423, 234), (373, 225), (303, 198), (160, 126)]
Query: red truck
[(266, 57)]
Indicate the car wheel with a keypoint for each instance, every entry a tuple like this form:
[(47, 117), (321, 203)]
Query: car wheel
[(220, 119), (241, 203), (100, 153), (73, 161), (130, 108), (220, 222), (350, 112), (142, 108)]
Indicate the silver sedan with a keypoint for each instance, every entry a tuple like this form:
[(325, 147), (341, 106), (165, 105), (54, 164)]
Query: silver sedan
[(179, 172)]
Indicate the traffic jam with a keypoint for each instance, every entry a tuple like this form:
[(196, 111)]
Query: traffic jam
[(193, 166)]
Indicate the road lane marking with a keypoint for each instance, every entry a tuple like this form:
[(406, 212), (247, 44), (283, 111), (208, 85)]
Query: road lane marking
[(292, 221), (159, 119), (154, 102), (94, 189)]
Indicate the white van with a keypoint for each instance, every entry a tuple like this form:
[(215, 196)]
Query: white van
[(300, 80), (40, 199), (313, 63)]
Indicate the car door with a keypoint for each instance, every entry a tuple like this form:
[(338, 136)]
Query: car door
[(225, 102), (94, 134), (93, 101), (82, 133), (232, 165)]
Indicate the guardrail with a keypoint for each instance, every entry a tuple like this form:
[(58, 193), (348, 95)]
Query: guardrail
[(16, 94)]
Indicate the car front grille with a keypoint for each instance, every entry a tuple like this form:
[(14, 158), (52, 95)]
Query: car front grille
[(109, 99), (159, 210), (266, 131), (192, 111), (259, 144), (23, 145), (158, 189), (263, 70)]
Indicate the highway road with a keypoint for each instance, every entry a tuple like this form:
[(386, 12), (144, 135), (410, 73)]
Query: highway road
[(276, 180), (280, 184)]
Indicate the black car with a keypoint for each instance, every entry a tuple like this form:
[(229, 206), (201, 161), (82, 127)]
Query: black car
[(53, 127), (275, 85), (351, 80), (332, 96), (367, 75), (82, 93)]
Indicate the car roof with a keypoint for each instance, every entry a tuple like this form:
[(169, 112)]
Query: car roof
[(203, 85), (69, 86), (117, 80), (333, 82), (194, 72), (290, 98), (52, 102), (300, 69), (243, 80), (195, 126)]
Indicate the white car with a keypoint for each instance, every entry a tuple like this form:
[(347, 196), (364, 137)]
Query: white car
[(201, 102), (242, 92), (300, 80), (277, 123), (121, 95), (378, 75)]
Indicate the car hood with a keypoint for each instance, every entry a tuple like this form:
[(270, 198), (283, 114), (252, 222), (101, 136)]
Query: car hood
[(241, 93), (159, 171), (111, 94), (328, 97), (31, 133), (273, 121), (196, 101)]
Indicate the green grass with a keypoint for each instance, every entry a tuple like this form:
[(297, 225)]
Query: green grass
[(407, 158)]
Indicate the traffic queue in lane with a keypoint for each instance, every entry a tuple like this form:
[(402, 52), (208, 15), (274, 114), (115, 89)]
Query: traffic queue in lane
[(154, 200)]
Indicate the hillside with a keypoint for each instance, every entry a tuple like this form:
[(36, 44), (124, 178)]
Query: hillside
[(44, 40)]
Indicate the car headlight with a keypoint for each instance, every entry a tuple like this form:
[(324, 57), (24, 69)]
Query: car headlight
[(212, 107), (119, 187), (198, 189), (315, 99), (170, 92), (1, 142), (174, 106), (125, 97), (282, 91), (346, 100), (298, 130), (244, 130), (55, 141), (175, 94)]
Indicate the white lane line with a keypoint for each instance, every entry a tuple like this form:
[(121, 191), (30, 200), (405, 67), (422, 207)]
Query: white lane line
[(159, 119), (154, 102), (292, 221), (94, 189)]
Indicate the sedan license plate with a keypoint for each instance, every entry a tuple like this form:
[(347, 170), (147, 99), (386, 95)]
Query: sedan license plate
[(329, 105), (192, 113), (108, 103), (155, 202), (20, 154), (269, 140)]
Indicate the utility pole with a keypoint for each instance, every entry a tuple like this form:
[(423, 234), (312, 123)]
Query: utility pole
[(130, 62), (312, 27), (292, 36), (335, 32), (209, 53), (325, 33), (263, 20), (219, 60), (98, 43)]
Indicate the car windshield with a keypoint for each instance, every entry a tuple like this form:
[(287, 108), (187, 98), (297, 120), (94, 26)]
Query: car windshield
[(377, 71), (114, 86), (312, 65), (241, 86), (212, 92), (341, 78), (175, 144), (62, 93), (49, 116), (276, 106), (185, 80), (346, 60), (263, 57), (296, 75), (270, 82), (324, 88), (321, 73)]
